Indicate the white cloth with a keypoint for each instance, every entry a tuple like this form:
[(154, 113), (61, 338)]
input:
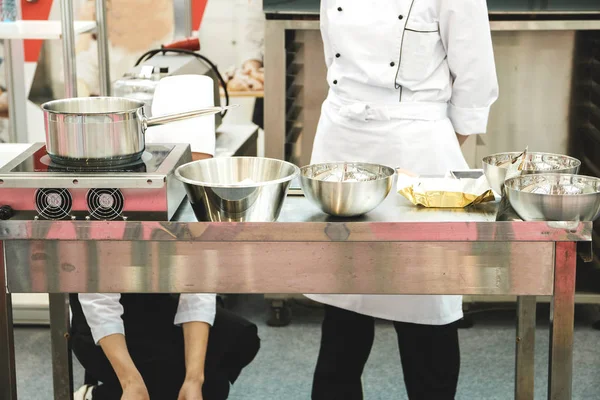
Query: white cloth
[(183, 93), (174, 94), (392, 69), (103, 311)]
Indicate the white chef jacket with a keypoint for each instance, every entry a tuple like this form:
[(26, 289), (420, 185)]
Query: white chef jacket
[(103, 310), (253, 31), (404, 77), (409, 51)]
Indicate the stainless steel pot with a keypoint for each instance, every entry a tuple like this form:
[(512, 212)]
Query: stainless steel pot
[(102, 130)]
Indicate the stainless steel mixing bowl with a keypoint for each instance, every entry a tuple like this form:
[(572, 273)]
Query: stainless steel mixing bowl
[(537, 163), (237, 189), (346, 189), (554, 197)]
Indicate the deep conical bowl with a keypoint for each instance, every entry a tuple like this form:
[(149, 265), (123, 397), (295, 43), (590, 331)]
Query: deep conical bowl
[(237, 189)]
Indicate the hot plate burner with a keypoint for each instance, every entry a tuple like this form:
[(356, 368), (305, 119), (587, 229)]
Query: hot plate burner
[(137, 166), (40, 162), (97, 163)]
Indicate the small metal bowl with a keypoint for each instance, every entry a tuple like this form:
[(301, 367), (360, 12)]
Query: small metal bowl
[(237, 189), (555, 197), (346, 189), (537, 163)]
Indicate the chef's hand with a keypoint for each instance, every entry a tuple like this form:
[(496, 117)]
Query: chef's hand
[(115, 349), (195, 337), (461, 138), (135, 390), (190, 390)]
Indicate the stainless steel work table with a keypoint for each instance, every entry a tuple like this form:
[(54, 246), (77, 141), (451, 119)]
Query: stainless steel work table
[(396, 249)]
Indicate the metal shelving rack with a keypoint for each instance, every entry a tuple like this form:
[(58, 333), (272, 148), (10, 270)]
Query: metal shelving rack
[(13, 34)]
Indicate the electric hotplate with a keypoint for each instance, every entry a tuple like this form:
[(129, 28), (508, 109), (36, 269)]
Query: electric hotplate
[(151, 160)]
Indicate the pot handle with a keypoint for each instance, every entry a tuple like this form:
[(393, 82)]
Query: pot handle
[(154, 121)]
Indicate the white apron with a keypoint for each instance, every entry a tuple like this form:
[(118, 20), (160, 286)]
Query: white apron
[(424, 146), (404, 76)]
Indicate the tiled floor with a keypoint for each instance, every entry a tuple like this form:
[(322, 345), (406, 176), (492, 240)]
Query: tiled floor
[(283, 368)]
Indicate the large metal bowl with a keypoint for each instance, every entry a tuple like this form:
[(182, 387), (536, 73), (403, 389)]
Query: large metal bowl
[(237, 189), (346, 189), (537, 163), (554, 197)]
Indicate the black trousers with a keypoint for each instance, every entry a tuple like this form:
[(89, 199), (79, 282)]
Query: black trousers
[(430, 357), (233, 343)]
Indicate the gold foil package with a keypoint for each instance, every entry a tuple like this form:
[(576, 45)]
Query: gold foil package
[(445, 192)]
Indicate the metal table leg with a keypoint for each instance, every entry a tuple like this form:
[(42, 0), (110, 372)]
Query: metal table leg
[(8, 376), (560, 372), (68, 41), (17, 94), (62, 366), (102, 43), (525, 357), (275, 70)]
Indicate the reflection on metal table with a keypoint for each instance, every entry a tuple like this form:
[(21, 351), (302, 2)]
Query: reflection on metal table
[(396, 249)]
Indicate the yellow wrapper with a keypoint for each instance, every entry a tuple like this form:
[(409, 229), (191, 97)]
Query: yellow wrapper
[(445, 192), (445, 199)]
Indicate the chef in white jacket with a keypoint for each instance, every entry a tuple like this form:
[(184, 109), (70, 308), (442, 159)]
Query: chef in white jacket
[(157, 346), (409, 81)]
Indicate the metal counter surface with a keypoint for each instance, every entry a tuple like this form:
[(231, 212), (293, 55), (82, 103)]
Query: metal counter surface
[(395, 220), (396, 249), (394, 209)]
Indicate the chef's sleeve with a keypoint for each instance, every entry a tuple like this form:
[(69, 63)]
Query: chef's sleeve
[(465, 32), (196, 308), (103, 313), (253, 33), (325, 32)]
